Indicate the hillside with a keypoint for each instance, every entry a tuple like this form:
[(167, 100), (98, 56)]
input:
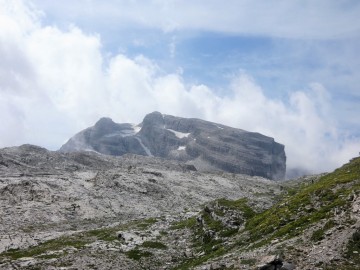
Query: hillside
[(100, 212), (45, 196)]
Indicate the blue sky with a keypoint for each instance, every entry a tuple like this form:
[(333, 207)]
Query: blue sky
[(287, 69)]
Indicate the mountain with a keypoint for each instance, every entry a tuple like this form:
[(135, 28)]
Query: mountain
[(85, 210), (206, 145)]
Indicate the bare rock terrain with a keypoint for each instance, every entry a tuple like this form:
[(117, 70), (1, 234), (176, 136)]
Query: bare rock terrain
[(46, 195), (85, 210)]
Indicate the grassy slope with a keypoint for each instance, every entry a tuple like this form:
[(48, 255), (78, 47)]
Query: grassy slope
[(312, 203), (303, 207)]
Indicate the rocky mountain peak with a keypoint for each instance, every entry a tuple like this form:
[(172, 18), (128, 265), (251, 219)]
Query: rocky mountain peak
[(105, 125), (206, 145), (105, 122), (154, 119)]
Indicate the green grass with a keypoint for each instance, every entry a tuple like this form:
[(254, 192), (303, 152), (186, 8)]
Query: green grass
[(239, 205), (49, 256), (248, 261), (319, 234), (136, 254), (105, 234), (53, 245), (193, 262), (78, 240), (310, 204), (110, 233), (146, 223), (187, 223), (353, 247), (202, 241)]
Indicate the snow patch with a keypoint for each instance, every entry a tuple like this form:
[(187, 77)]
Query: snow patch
[(181, 148), (179, 134), (92, 150), (125, 132), (136, 128), (220, 127), (147, 150)]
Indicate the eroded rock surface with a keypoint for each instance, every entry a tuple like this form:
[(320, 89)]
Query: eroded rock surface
[(85, 210), (44, 194)]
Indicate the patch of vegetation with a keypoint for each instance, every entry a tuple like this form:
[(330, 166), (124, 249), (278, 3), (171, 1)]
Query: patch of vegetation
[(228, 232), (110, 233), (187, 223), (310, 204), (329, 224), (78, 240), (49, 256), (319, 234), (136, 254), (51, 245), (105, 234), (291, 191), (204, 232), (153, 244), (146, 223), (239, 205), (33, 267), (248, 261), (193, 262), (353, 248)]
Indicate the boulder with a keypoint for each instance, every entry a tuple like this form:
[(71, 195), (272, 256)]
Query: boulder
[(270, 262)]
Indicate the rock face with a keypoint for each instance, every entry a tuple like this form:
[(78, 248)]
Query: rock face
[(206, 145)]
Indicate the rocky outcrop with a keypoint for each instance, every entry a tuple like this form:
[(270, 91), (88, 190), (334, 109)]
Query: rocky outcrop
[(274, 262), (207, 146)]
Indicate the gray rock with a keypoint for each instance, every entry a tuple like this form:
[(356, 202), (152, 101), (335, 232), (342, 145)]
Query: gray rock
[(287, 266), (205, 145), (217, 266), (271, 262)]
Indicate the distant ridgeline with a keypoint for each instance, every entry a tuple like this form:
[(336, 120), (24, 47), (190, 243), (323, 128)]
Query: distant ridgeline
[(206, 145)]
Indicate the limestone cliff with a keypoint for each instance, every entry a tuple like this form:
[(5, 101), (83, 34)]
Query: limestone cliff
[(206, 145)]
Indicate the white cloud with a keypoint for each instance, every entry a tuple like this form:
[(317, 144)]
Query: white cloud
[(294, 19), (172, 47), (55, 82)]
